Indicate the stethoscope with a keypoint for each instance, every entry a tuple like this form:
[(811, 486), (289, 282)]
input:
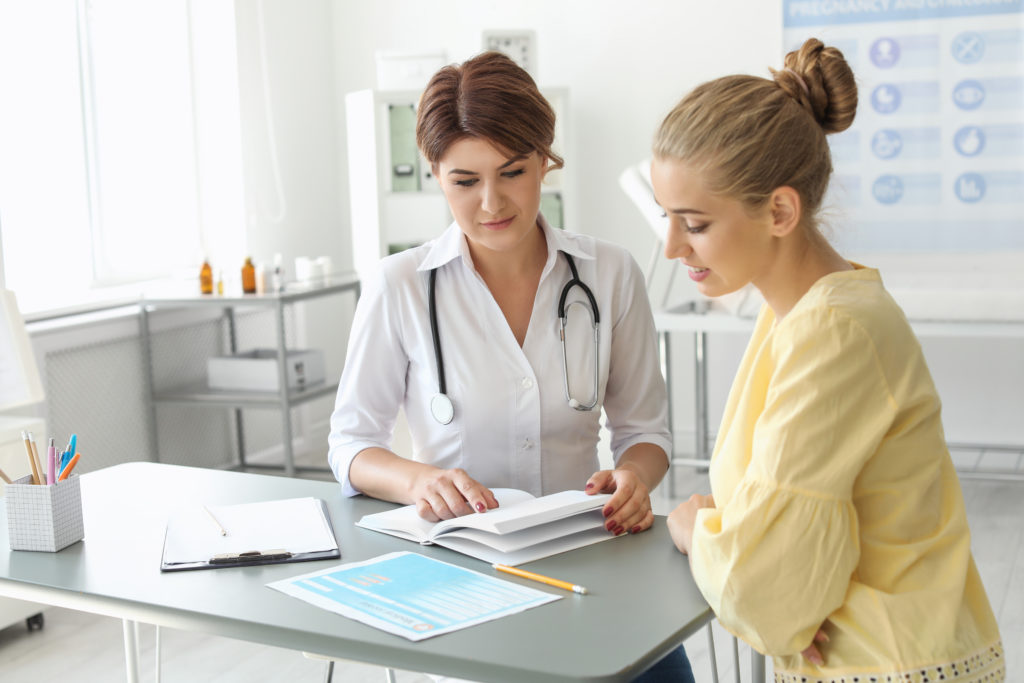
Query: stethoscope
[(441, 406)]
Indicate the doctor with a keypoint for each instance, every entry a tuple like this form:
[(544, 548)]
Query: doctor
[(463, 332)]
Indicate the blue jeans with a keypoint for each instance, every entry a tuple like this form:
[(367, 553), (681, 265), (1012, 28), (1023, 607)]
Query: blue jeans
[(675, 667)]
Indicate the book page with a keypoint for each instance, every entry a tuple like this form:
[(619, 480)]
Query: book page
[(530, 553), (527, 513), (406, 523)]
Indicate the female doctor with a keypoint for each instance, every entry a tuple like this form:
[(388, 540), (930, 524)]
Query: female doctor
[(463, 332)]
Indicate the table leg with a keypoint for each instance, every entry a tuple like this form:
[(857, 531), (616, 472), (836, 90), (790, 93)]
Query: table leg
[(131, 650), (700, 380), (666, 371), (286, 406), (756, 666)]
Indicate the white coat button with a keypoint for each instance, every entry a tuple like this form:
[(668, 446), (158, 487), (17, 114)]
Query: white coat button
[(527, 444), (527, 383)]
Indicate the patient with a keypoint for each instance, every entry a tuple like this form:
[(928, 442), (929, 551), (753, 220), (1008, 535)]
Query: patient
[(836, 538)]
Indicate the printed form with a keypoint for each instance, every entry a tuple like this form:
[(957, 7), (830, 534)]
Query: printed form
[(411, 595)]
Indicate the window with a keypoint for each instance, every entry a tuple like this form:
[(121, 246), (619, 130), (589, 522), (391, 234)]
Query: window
[(99, 161)]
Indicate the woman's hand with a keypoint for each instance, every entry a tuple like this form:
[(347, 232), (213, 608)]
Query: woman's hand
[(629, 508), (682, 520), (812, 654), (444, 494)]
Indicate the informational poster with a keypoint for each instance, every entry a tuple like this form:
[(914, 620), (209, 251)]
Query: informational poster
[(935, 159)]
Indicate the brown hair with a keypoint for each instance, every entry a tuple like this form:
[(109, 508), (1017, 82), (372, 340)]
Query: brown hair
[(488, 97), (751, 135)]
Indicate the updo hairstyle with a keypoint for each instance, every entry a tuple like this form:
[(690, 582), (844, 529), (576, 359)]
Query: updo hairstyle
[(488, 97), (748, 136)]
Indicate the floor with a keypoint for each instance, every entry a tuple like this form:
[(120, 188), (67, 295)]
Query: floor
[(91, 646)]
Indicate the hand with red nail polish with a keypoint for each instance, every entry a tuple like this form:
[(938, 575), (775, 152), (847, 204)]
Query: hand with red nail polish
[(630, 504)]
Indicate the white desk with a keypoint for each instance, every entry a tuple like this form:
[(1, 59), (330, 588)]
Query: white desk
[(642, 602), (685, 319)]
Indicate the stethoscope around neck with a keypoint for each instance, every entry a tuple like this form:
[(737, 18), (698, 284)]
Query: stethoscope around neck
[(441, 406)]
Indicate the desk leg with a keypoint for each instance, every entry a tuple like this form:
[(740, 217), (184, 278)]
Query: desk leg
[(700, 381), (756, 666), (131, 650), (286, 406), (147, 374), (664, 348), (229, 315)]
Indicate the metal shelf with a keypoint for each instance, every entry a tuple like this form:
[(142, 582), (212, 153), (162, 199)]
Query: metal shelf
[(198, 393)]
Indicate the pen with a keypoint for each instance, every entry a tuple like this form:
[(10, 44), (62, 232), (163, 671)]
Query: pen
[(70, 451), (33, 463), (51, 463), (223, 531), (64, 473), (539, 577)]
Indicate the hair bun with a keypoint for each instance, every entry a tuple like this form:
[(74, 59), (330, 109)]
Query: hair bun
[(819, 78)]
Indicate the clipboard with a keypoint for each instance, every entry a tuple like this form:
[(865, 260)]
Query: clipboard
[(271, 532)]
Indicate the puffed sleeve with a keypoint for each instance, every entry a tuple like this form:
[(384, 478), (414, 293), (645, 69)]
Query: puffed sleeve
[(776, 558), (372, 383), (635, 401)]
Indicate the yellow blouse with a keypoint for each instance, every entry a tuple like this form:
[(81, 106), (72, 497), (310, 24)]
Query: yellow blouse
[(837, 499)]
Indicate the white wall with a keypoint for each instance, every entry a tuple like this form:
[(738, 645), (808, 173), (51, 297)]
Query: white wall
[(625, 65)]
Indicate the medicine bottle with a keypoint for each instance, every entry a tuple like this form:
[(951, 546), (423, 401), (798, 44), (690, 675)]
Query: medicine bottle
[(249, 277), (206, 278)]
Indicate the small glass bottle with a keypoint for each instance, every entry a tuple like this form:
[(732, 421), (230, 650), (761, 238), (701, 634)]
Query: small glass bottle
[(220, 282), (206, 278), (249, 277)]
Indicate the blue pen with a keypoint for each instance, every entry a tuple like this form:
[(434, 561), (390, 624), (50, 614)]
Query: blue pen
[(70, 453)]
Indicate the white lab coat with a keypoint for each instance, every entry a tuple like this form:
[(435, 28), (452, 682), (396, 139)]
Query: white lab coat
[(513, 426)]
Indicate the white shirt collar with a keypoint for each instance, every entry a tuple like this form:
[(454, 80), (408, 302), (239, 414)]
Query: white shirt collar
[(452, 244)]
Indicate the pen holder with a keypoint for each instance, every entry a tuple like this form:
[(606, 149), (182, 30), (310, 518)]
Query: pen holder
[(47, 518)]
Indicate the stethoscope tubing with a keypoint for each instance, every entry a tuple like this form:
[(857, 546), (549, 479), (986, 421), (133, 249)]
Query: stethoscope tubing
[(441, 405)]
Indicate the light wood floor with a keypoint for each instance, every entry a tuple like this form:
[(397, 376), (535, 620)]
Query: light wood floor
[(84, 648)]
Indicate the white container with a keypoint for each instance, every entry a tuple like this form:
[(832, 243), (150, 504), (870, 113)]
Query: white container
[(47, 518), (256, 370)]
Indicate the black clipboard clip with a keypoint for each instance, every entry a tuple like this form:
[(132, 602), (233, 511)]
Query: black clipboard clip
[(251, 556)]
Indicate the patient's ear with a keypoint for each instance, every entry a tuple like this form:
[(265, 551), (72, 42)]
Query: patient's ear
[(786, 210)]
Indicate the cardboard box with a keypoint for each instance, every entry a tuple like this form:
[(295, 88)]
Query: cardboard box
[(256, 370)]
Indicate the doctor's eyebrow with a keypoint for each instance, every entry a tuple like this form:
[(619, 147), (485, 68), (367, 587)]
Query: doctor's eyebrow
[(460, 171)]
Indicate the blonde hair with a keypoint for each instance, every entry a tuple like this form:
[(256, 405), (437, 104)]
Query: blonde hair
[(749, 136)]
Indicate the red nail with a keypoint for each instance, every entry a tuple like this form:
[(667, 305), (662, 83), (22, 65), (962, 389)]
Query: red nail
[(619, 530), (607, 512), (480, 507), (635, 530), (590, 486), (610, 525)]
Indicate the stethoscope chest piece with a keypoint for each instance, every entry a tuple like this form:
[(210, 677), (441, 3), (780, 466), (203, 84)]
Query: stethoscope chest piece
[(442, 409)]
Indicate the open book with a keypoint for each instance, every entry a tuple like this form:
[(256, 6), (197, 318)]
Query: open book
[(521, 529)]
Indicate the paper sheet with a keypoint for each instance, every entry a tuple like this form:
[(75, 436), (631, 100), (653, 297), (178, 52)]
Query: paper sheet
[(295, 524), (412, 595)]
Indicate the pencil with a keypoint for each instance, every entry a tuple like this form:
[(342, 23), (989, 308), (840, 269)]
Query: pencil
[(223, 531), (7, 480), (32, 457), (540, 577)]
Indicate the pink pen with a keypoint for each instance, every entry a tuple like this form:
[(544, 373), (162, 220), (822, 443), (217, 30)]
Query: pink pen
[(51, 464)]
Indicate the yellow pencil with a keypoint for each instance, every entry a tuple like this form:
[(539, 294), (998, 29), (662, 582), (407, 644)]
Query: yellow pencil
[(7, 480), (540, 577)]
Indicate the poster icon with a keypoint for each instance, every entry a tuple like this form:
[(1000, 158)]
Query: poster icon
[(887, 189), (968, 94), (969, 141), (885, 99), (886, 143), (885, 52), (970, 187), (968, 47)]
